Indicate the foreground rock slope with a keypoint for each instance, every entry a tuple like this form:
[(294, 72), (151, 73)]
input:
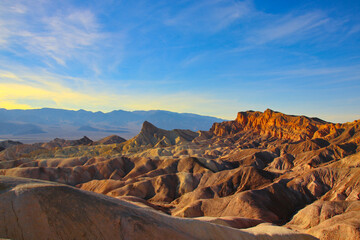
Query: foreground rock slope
[(33, 209), (263, 167)]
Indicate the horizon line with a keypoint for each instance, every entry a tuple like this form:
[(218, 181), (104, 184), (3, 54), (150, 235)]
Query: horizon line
[(105, 112)]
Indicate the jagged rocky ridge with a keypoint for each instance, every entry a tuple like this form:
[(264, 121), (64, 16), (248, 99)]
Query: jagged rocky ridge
[(261, 167)]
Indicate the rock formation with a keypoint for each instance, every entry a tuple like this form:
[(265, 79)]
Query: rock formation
[(33, 209), (151, 136), (8, 143), (110, 140), (269, 167), (271, 123), (329, 220), (57, 142)]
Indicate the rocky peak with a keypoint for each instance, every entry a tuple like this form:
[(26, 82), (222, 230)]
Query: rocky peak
[(148, 128), (58, 142), (271, 123), (269, 111), (151, 136), (8, 143), (110, 140), (84, 140)]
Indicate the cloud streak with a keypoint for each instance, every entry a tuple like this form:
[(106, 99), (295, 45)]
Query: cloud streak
[(306, 72), (209, 16), (60, 36), (191, 56), (65, 35), (296, 26)]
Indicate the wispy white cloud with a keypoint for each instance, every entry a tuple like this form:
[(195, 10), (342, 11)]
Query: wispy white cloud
[(354, 29), (58, 35), (65, 35), (210, 15), (305, 72), (139, 63), (193, 59), (291, 25)]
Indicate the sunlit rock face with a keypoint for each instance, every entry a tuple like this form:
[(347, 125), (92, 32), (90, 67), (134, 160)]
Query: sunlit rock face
[(279, 125), (263, 167)]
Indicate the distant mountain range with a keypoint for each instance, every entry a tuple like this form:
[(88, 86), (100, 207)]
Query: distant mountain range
[(48, 123)]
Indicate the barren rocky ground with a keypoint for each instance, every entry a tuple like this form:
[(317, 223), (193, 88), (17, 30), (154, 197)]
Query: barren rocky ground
[(265, 175)]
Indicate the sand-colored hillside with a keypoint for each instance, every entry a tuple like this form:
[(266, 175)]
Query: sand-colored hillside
[(262, 167)]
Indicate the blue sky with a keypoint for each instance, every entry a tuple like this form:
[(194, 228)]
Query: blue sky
[(213, 57)]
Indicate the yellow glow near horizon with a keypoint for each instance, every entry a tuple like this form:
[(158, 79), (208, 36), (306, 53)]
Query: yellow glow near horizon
[(29, 91), (13, 94), (13, 105), (19, 93)]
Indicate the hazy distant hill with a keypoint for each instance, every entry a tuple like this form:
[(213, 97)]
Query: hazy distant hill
[(48, 123)]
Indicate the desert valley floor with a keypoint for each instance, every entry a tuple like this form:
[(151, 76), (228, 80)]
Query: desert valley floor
[(265, 175)]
